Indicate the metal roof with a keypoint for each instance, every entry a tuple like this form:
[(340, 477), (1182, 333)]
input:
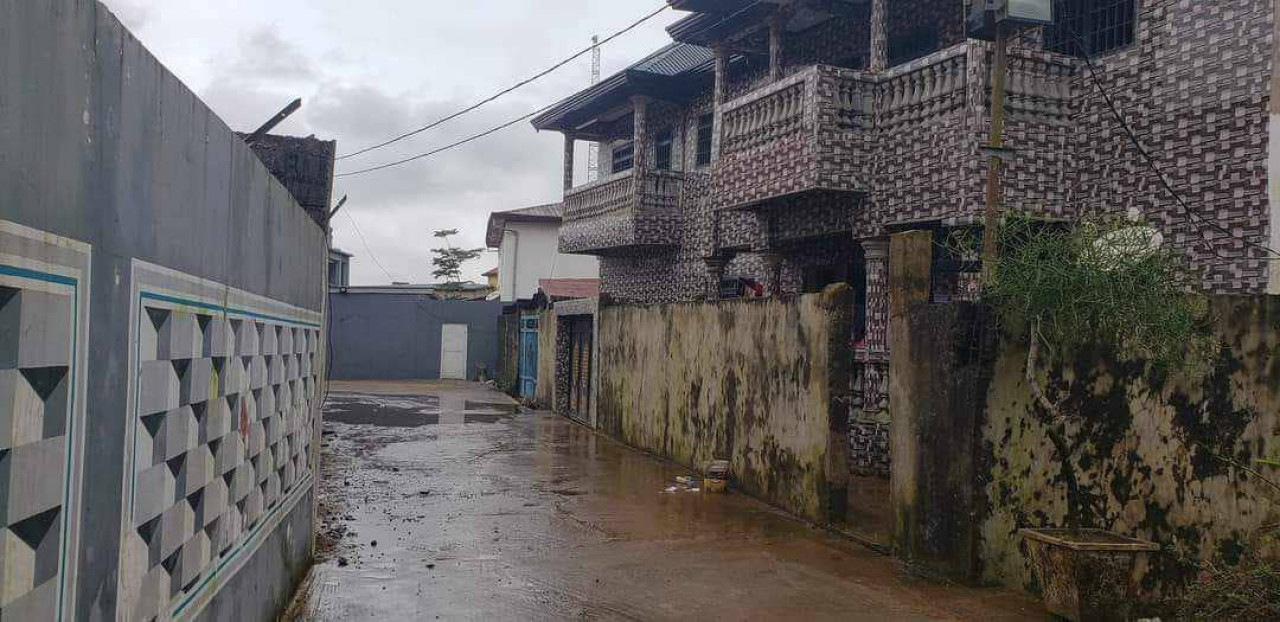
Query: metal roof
[(673, 61), (550, 212)]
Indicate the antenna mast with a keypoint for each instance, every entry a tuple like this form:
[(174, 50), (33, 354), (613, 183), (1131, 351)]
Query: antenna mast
[(593, 153)]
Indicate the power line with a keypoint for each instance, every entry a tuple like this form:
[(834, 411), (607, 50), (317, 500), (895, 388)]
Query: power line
[(513, 121), (1150, 161), (588, 50), (449, 146), (368, 249)]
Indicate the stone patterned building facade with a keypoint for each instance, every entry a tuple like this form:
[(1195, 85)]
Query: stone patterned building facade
[(781, 141)]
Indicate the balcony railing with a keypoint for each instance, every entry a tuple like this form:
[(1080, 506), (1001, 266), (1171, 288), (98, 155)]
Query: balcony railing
[(912, 133), (630, 209)]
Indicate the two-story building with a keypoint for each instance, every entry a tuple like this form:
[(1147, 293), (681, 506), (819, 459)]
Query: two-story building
[(783, 140)]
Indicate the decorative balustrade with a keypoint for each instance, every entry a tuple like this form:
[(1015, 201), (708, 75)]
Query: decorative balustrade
[(1039, 87), (632, 208), (775, 112), (920, 92), (600, 197)]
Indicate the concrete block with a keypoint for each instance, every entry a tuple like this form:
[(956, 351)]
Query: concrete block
[(230, 454), (41, 603), (35, 329), (213, 503), (292, 367), (21, 411), (275, 369), (195, 557), (269, 334), (219, 338), (153, 594), (242, 483), (153, 493), (252, 507), (257, 368), (199, 469), (217, 420), (177, 524), (31, 479), (19, 568), (271, 492), (200, 383), (181, 432), (257, 440), (266, 399), (158, 387), (286, 341), (180, 337), (246, 337)]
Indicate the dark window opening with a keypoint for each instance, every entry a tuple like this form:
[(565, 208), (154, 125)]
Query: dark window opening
[(623, 157), (662, 151), (1090, 27), (919, 41), (706, 123)]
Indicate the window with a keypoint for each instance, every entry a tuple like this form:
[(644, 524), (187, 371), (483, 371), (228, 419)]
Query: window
[(662, 149), (706, 124), (623, 157), (1090, 27)]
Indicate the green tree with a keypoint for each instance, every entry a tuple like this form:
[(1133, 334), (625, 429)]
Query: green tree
[(448, 261)]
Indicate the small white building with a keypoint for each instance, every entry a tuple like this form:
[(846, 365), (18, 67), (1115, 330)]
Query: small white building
[(528, 243)]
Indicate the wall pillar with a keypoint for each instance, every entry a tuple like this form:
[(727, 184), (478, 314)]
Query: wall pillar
[(879, 37), (715, 274), (640, 134), (722, 70), (772, 261), (939, 372), (568, 162), (876, 255)]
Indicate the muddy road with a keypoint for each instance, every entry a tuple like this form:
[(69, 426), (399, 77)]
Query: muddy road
[(442, 500)]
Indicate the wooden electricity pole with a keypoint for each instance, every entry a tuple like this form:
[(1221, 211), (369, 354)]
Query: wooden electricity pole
[(995, 149)]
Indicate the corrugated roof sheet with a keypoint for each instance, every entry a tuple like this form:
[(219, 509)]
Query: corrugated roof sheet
[(569, 288), (674, 60), (498, 220)]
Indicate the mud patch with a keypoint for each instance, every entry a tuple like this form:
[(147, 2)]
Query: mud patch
[(399, 411)]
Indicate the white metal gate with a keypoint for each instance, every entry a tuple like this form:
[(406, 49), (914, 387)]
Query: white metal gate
[(453, 351)]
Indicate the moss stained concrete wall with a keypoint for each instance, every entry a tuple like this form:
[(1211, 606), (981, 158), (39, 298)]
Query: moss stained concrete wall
[(1150, 470), (757, 382)]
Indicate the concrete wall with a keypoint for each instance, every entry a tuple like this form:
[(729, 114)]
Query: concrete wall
[(531, 251), (1150, 466), (397, 336), (755, 382), (155, 279)]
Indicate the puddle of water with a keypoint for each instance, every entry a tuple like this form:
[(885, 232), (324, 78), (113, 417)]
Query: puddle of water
[(483, 418), (509, 409)]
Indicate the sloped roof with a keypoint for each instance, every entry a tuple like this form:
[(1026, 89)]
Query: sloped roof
[(651, 74), (550, 212), (562, 289)]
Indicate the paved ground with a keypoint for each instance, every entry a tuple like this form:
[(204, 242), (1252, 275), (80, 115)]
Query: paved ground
[(441, 501)]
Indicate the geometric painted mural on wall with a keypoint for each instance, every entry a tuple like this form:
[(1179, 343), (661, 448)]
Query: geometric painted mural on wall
[(225, 409), (41, 304)]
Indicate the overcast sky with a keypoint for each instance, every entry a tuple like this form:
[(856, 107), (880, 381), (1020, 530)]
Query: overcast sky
[(367, 71)]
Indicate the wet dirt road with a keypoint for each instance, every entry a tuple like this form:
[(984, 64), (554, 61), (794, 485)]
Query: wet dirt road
[(440, 500)]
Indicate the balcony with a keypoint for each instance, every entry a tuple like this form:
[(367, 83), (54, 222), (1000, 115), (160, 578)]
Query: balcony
[(630, 210), (810, 131), (910, 135)]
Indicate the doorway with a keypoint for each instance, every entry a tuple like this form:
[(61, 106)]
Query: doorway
[(580, 329), (453, 351), (528, 356)]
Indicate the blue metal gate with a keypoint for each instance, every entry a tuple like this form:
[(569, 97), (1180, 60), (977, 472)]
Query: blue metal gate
[(528, 356)]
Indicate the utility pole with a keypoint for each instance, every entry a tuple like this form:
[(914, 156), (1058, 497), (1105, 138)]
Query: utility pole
[(593, 152), (995, 150)]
